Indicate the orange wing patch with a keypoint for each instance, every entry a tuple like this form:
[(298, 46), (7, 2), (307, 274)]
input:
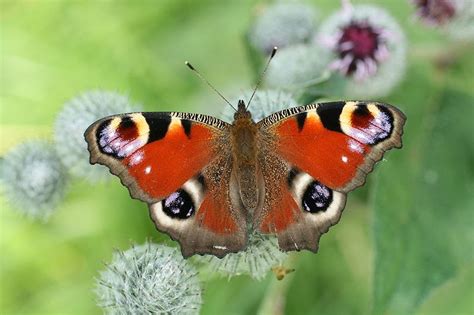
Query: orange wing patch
[(214, 214), (160, 167), (281, 214), (329, 156), (279, 209), (220, 210)]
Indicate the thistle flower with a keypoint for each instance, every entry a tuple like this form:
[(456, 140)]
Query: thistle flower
[(149, 279), (456, 17), (33, 178), (260, 256), (282, 24), (264, 103), (297, 66), (461, 26), (368, 49), (74, 119), (435, 12)]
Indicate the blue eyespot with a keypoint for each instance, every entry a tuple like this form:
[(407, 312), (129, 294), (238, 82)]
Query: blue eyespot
[(317, 197), (178, 205)]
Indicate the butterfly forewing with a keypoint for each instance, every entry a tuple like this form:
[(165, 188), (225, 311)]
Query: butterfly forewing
[(337, 143)]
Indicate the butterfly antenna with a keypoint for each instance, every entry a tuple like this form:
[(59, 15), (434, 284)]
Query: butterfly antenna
[(262, 75), (190, 66)]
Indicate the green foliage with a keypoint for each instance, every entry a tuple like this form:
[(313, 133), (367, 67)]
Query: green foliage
[(282, 24), (423, 238), (297, 67)]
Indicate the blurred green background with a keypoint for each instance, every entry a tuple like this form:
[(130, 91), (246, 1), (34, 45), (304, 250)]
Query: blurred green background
[(403, 246)]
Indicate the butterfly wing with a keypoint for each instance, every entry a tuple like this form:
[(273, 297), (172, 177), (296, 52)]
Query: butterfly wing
[(179, 164), (314, 155)]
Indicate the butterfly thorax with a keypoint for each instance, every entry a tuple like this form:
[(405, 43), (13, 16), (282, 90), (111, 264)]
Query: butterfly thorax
[(244, 133)]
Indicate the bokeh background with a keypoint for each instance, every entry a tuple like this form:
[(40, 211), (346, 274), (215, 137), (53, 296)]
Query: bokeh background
[(404, 244)]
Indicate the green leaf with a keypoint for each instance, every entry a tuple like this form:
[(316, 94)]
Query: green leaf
[(424, 201), (454, 297), (241, 295), (335, 280), (255, 58)]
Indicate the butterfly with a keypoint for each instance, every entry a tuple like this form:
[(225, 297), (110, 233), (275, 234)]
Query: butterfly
[(209, 183)]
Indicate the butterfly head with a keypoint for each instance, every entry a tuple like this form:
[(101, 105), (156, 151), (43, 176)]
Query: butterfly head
[(242, 112)]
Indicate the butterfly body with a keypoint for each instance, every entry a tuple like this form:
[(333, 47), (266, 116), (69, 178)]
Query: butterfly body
[(244, 135), (208, 183)]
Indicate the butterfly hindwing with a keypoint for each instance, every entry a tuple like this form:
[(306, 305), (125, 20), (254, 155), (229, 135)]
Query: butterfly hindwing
[(321, 151), (204, 215), (299, 210), (177, 163)]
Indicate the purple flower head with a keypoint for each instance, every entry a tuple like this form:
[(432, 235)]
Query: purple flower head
[(368, 48), (361, 47), (455, 17), (435, 12)]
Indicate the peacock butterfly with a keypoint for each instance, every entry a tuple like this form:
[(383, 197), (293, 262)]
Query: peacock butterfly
[(208, 182)]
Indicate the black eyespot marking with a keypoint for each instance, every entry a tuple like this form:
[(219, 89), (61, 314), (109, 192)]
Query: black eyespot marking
[(101, 128), (317, 197), (186, 124), (158, 127), (291, 176), (178, 205), (361, 110), (300, 119), (201, 180), (126, 123), (329, 114)]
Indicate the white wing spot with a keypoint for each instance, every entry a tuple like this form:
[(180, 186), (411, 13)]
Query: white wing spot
[(220, 247), (344, 159), (148, 170), (136, 158), (355, 146)]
